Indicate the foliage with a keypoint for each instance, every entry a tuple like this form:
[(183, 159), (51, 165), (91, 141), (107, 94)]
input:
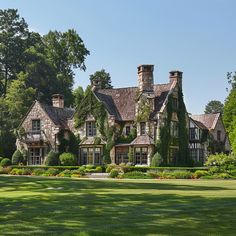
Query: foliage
[(214, 106), (78, 95), (183, 154), (17, 157), (144, 109), (232, 135), (110, 167), (68, 159), (5, 162), (222, 161), (102, 78), (131, 155), (51, 159), (65, 173), (199, 173), (129, 138), (114, 173), (156, 160), (51, 172), (70, 144), (135, 175)]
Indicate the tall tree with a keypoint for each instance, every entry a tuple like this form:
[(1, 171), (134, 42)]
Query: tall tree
[(14, 38), (67, 52), (214, 106), (78, 94), (103, 78)]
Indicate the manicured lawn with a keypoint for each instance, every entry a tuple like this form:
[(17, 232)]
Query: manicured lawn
[(51, 206)]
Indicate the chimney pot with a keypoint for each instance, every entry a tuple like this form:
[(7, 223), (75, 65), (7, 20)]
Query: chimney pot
[(58, 100)]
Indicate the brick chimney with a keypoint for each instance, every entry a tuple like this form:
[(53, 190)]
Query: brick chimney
[(58, 100), (96, 84), (176, 75), (145, 78)]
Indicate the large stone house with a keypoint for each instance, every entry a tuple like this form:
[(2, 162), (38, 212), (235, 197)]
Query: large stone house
[(207, 135), (126, 124)]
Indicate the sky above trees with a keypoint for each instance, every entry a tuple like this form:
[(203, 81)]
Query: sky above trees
[(196, 37)]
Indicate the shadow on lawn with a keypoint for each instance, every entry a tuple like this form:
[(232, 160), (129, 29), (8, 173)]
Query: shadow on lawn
[(97, 211)]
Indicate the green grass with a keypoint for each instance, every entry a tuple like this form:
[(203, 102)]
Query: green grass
[(54, 206)]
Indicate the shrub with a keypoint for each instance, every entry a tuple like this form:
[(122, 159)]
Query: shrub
[(26, 171), (124, 167), (51, 172), (77, 173), (90, 167), (5, 162), (38, 171), (214, 170), (17, 157), (67, 159), (136, 175), (114, 173), (222, 176), (233, 172), (223, 161), (65, 173), (154, 174), (16, 171), (156, 160), (51, 159), (199, 173), (182, 175), (99, 169), (5, 170), (1, 159), (110, 167)]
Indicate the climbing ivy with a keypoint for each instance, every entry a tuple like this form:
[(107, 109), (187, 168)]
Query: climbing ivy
[(144, 109), (183, 155), (91, 105)]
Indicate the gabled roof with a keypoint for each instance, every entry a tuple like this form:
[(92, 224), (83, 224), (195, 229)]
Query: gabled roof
[(208, 120), (143, 140), (59, 116), (121, 102), (198, 123)]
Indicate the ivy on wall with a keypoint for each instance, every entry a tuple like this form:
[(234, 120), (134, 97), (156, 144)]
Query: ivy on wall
[(91, 105), (166, 140), (144, 109)]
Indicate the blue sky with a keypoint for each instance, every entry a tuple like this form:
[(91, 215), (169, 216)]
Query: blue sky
[(197, 37)]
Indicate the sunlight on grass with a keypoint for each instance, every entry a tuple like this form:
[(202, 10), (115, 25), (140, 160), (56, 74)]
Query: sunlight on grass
[(51, 206)]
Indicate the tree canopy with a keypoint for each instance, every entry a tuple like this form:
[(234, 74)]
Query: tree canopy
[(103, 78), (33, 67), (214, 106)]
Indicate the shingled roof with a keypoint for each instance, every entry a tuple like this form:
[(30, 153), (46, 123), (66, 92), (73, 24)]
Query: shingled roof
[(121, 102), (208, 120), (59, 116)]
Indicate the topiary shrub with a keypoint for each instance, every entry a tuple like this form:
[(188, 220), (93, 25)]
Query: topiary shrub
[(156, 160), (17, 157), (99, 169), (51, 159), (67, 159), (5, 162), (114, 173)]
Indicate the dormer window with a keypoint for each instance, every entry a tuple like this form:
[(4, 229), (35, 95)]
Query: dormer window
[(91, 129), (127, 130), (142, 128), (36, 126)]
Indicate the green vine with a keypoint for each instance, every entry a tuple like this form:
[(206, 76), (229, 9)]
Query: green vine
[(144, 109), (129, 138), (91, 105)]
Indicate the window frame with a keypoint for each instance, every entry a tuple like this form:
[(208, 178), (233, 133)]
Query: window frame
[(142, 128), (91, 129), (36, 125)]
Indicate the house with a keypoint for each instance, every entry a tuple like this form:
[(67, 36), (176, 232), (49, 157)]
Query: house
[(122, 125), (135, 117), (207, 135), (38, 131)]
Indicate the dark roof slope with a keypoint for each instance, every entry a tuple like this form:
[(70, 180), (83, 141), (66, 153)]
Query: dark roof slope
[(121, 102), (208, 120), (59, 116)]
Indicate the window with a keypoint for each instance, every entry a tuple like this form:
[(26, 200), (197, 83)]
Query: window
[(90, 156), (91, 129), (122, 155), (142, 128), (174, 129), (36, 156), (36, 126), (218, 135), (175, 103), (141, 155), (192, 134), (127, 130)]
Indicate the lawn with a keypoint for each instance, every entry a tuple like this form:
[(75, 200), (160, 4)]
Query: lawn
[(55, 206)]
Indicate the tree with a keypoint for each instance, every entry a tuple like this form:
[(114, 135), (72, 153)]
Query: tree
[(232, 135), (103, 77), (214, 106), (66, 51), (78, 94), (14, 38)]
